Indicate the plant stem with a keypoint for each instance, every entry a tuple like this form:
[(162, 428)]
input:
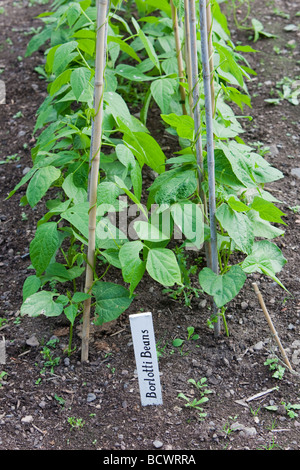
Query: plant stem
[(101, 41)]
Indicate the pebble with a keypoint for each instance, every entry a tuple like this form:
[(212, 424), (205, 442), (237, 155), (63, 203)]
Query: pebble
[(91, 397), (27, 419), (295, 172), (157, 444), (32, 341)]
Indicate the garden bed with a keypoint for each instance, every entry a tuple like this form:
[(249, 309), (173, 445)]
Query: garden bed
[(97, 405)]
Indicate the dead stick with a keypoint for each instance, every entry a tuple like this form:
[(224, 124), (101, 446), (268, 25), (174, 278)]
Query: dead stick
[(263, 306)]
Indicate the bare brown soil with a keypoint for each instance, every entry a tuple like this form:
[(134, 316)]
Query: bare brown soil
[(104, 394)]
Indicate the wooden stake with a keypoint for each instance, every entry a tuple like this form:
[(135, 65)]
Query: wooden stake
[(102, 8), (264, 308), (179, 56)]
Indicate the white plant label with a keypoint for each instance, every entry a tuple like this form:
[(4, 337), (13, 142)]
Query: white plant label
[(146, 358)]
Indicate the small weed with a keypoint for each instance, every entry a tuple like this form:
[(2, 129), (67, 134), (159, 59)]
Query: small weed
[(201, 387), (2, 375), (273, 363), (76, 423)]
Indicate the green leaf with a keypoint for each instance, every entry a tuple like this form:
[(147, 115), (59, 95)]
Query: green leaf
[(111, 301), (31, 286), (78, 216), (124, 47), (147, 44), (222, 287), (80, 81), (41, 303), (61, 80), (267, 210), (63, 56), (259, 30), (162, 266), (238, 226), (149, 232), (189, 219), (40, 183), (162, 90), (228, 67), (145, 148), (265, 258), (181, 186), (79, 297), (237, 205), (76, 193), (184, 125), (133, 267), (263, 228), (71, 312), (44, 246)]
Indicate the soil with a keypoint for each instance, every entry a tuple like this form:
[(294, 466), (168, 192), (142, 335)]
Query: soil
[(102, 396)]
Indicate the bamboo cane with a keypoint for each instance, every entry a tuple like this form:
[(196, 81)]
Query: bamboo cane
[(210, 54), (210, 147), (270, 323), (102, 8), (179, 56)]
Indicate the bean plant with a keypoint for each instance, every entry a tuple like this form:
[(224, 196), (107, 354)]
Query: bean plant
[(141, 55)]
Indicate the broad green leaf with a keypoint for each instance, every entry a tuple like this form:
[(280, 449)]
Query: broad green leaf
[(108, 235), (76, 193), (78, 216), (71, 312), (79, 297), (80, 81), (259, 30), (184, 125), (63, 56), (145, 149), (238, 226), (125, 156), (222, 287), (147, 44), (61, 80), (131, 73), (31, 286), (41, 303), (124, 47), (237, 205), (40, 183), (181, 186), (162, 266), (267, 210), (73, 13), (162, 90), (265, 258), (189, 219), (137, 180), (133, 267), (263, 228), (38, 40), (44, 246), (111, 301), (228, 67), (147, 231)]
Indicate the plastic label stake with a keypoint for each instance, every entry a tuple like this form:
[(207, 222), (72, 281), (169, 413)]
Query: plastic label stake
[(146, 358)]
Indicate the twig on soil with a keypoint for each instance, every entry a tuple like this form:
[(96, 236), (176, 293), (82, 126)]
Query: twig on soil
[(263, 306), (260, 394)]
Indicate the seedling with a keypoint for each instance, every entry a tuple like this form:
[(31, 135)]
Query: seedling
[(274, 365), (2, 376), (201, 387), (76, 423)]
